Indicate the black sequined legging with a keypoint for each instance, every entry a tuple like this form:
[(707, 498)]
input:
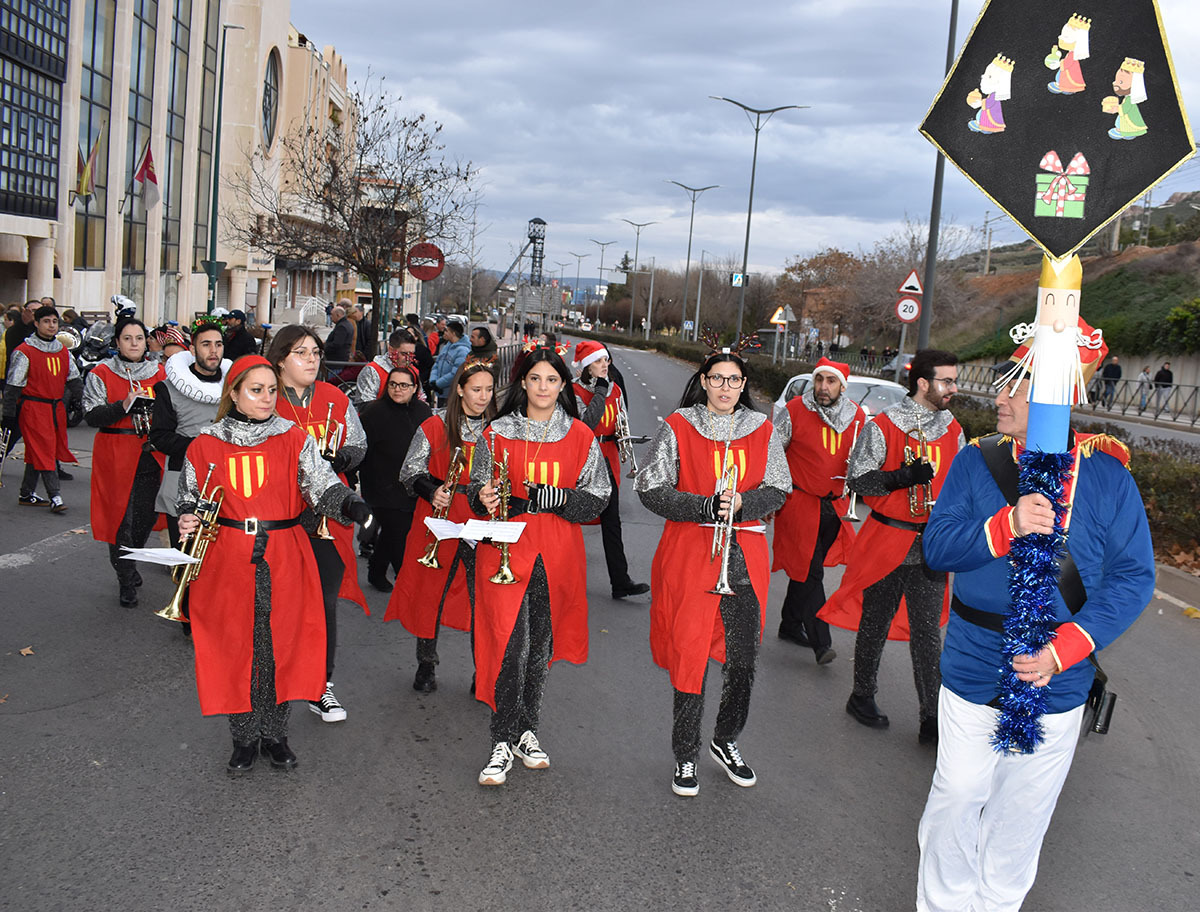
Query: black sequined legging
[(267, 718), (923, 590), (138, 520), (464, 562), (522, 679)]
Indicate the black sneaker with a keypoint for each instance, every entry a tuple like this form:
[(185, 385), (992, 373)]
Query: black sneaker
[(630, 588), (57, 505), (727, 754), (799, 637), (64, 475), (32, 500), (425, 681), (825, 655), (684, 783)]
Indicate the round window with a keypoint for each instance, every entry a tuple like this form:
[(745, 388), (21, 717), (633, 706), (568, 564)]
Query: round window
[(270, 99)]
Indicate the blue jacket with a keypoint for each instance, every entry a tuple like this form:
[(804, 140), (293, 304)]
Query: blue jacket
[(1108, 538), (450, 358)]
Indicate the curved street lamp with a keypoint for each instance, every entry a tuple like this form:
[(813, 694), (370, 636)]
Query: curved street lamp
[(602, 245), (693, 192), (637, 226)]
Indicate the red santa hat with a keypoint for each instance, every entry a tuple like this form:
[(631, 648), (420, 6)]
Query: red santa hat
[(839, 369), (588, 351)]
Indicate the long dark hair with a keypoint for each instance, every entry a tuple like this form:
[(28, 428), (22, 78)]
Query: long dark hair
[(516, 399), (285, 340), (454, 409), (695, 394)]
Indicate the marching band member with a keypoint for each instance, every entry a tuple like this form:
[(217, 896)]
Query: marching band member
[(372, 379), (558, 481), (427, 597), (715, 429), (817, 430), (296, 354), (118, 396), (600, 401), (888, 590), (256, 613)]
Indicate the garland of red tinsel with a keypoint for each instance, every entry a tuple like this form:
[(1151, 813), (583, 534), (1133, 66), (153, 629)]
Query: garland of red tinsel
[(1032, 586)]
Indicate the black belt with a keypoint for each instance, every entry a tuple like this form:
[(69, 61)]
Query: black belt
[(253, 525), (25, 396), (112, 430), (988, 620), (608, 438), (898, 523)]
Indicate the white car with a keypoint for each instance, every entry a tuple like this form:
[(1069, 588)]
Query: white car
[(872, 393)]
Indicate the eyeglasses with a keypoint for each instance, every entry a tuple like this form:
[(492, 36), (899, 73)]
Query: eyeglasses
[(949, 381), (305, 354), (392, 385), (733, 382)]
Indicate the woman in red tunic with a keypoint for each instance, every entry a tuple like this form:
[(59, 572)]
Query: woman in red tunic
[(296, 353), (715, 426), (558, 482), (118, 396), (425, 598), (257, 621)]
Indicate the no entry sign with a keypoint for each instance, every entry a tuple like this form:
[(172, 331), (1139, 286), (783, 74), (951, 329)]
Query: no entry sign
[(908, 309), (425, 261)]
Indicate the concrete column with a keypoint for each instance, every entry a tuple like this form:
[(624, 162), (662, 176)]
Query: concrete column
[(40, 278), (264, 300), (237, 289)]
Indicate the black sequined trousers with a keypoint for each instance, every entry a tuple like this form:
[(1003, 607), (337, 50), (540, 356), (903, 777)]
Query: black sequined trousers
[(522, 679), (267, 718), (464, 562), (923, 591), (741, 616), (138, 521)]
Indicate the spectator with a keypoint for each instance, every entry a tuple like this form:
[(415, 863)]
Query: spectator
[(357, 313), (1111, 372), (22, 328), (12, 317), (429, 335), (453, 352), (71, 317), (1163, 381), (423, 357), (341, 337), (238, 340), (1144, 385), (483, 346)]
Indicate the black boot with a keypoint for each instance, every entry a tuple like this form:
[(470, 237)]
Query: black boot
[(929, 731), (242, 760), (865, 710), (128, 595), (280, 754), (425, 681)]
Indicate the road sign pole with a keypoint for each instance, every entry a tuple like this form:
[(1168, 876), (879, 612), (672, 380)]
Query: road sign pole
[(900, 354)]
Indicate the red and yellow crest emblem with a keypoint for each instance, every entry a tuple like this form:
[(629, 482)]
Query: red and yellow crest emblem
[(247, 473), (831, 440), (735, 456), (545, 472)]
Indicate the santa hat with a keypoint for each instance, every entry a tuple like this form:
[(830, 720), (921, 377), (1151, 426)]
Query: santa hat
[(839, 369), (588, 351)]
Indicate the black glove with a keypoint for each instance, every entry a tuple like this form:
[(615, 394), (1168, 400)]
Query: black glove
[(601, 384), (339, 462), (907, 476), (545, 498), (518, 505), (712, 508), (426, 486), (356, 510)]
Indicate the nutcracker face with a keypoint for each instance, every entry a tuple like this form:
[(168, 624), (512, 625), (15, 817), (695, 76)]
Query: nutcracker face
[(1058, 308)]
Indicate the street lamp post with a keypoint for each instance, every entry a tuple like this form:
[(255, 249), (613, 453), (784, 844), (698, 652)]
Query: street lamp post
[(602, 245), (578, 261), (561, 267), (214, 268), (699, 294), (638, 226), (693, 192), (758, 123)]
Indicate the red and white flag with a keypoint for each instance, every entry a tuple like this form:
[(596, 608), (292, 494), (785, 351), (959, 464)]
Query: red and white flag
[(146, 176)]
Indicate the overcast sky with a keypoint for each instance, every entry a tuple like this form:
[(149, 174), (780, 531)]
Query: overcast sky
[(579, 114)]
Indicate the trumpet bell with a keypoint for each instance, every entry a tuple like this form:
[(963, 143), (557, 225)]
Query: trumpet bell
[(174, 609), (429, 559), (70, 337), (504, 576)]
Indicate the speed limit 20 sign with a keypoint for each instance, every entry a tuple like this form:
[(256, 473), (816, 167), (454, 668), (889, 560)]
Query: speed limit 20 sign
[(908, 310)]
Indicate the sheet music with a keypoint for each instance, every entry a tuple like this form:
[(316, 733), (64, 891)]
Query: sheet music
[(168, 557), (443, 529), (492, 530)]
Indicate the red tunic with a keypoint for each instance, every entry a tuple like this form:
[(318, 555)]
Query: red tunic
[(816, 454), (43, 416), (607, 426), (557, 542), (383, 375), (260, 482), (417, 594), (685, 618), (312, 420), (880, 549), (115, 457)]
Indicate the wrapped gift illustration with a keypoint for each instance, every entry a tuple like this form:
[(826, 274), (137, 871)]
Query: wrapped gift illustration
[(1061, 191)]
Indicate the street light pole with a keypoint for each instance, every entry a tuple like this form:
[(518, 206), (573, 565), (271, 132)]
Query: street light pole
[(638, 226), (575, 291), (758, 123), (561, 266), (693, 192), (213, 268), (602, 245), (699, 295)]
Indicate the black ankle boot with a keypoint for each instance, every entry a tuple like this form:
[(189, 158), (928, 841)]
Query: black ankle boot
[(279, 753), (425, 681), (242, 760)]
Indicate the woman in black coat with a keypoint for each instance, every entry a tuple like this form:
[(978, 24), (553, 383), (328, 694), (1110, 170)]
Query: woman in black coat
[(390, 422)]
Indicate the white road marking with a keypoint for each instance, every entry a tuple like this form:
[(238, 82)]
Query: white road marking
[(48, 549), (1167, 597), (653, 397)]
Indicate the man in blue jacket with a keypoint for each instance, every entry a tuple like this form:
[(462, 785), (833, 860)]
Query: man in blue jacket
[(452, 352), (987, 812)]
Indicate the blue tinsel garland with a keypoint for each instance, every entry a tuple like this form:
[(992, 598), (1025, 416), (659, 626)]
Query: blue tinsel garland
[(1032, 585)]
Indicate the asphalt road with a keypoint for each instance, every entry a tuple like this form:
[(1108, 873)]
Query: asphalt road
[(113, 793)]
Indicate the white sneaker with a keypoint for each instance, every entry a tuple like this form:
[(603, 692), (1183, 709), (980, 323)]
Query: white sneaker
[(328, 707), (498, 766), (531, 753)]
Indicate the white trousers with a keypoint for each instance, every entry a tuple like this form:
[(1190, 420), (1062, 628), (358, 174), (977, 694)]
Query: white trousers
[(987, 813)]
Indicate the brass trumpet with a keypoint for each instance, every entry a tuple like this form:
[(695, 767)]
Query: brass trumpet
[(458, 465), (626, 440), (851, 514), (138, 413), (208, 507), (330, 442), (920, 497), (722, 541), (504, 575)]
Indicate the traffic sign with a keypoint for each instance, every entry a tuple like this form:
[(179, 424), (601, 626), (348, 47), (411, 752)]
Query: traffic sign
[(425, 261), (737, 279), (783, 316), (689, 325), (908, 310), (274, 281), (911, 285)]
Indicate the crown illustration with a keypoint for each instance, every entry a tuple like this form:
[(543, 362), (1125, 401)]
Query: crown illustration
[(1133, 65), (1004, 63), (1079, 23)]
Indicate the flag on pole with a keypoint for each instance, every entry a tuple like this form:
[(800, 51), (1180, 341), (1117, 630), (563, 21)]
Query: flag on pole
[(146, 176), (85, 184)]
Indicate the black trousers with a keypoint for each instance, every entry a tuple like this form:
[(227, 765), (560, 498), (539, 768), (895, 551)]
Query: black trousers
[(610, 535), (464, 562), (139, 517), (804, 599), (389, 546), (30, 480), (331, 568), (522, 679), (741, 618), (267, 718)]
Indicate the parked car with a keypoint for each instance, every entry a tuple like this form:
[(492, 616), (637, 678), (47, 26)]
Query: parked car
[(872, 393), (904, 362)]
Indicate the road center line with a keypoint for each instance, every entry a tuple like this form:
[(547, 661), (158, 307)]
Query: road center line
[(48, 549), (1167, 597)]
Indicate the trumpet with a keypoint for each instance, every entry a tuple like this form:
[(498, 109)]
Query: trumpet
[(138, 414), (458, 465), (328, 447), (208, 508), (5, 438), (504, 576), (722, 540), (851, 515), (920, 497), (626, 440)]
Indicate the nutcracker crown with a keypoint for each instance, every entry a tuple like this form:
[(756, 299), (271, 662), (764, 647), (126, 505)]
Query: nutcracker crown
[(1064, 274)]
